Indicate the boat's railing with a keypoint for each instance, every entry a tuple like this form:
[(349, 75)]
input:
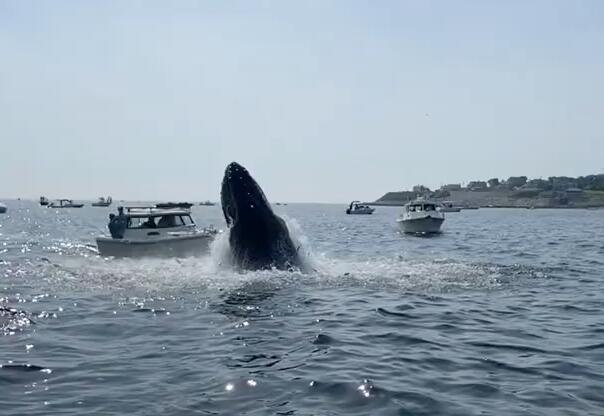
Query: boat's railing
[(153, 210)]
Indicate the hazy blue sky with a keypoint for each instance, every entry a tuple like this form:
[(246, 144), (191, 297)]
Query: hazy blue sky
[(322, 101)]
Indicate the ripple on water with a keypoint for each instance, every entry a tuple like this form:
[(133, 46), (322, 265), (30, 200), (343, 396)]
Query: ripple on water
[(498, 315)]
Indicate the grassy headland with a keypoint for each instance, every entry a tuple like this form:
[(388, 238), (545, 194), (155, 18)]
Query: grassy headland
[(516, 192)]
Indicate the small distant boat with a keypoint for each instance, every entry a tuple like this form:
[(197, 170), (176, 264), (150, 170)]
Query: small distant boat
[(356, 208), (64, 203), (421, 217), (3, 208), (168, 205), (470, 207), (280, 203), (136, 233), (43, 201), (207, 203), (102, 202), (447, 206)]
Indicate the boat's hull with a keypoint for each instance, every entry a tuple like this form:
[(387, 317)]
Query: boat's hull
[(181, 246), (100, 204), (2, 208), (66, 206), (425, 225), (360, 212)]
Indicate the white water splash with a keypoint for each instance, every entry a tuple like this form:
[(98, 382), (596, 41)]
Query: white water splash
[(215, 270)]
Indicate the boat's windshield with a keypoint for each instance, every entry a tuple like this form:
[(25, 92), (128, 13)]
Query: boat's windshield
[(165, 221), (421, 207)]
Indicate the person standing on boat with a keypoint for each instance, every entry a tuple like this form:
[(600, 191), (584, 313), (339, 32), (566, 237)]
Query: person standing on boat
[(118, 224)]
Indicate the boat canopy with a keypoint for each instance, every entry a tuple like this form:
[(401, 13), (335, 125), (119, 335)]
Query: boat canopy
[(174, 205), (358, 204), (421, 205), (151, 211)]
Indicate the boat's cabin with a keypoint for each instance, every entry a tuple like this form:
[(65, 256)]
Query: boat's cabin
[(166, 220), (420, 206), (150, 222), (355, 205)]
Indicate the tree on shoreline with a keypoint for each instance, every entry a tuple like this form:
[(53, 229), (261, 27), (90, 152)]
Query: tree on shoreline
[(493, 182), (516, 181)]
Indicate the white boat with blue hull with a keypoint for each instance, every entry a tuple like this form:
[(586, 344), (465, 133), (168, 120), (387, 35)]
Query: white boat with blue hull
[(154, 232), (421, 217)]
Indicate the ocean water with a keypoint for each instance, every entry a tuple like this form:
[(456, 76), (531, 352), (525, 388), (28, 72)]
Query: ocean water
[(501, 314)]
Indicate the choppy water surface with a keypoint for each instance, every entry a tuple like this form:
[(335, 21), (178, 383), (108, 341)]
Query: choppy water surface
[(501, 314)]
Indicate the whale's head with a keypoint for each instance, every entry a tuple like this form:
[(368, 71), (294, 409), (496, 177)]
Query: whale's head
[(241, 197), (258, 238)]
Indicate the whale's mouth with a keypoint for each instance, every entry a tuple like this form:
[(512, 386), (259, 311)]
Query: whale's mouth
[(241, 196)]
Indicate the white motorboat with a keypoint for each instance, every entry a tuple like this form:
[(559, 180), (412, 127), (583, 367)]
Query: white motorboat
[(156, 232), (102, 202), (64, 203), (421, 217), (2, 208), (447, 206), (356, 208)]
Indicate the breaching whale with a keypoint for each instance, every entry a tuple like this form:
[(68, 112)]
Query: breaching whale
[(259, 239)]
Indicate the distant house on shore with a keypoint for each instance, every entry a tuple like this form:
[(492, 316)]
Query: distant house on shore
[(477, 186), (451, 187), (574, 193), (538, 184)]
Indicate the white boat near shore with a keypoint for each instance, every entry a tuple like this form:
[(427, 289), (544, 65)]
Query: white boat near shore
[(154, 232), (447, 206), (421, 217), (356, 208)]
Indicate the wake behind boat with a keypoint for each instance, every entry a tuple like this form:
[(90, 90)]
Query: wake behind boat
[(157, 232), (421, 217)]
